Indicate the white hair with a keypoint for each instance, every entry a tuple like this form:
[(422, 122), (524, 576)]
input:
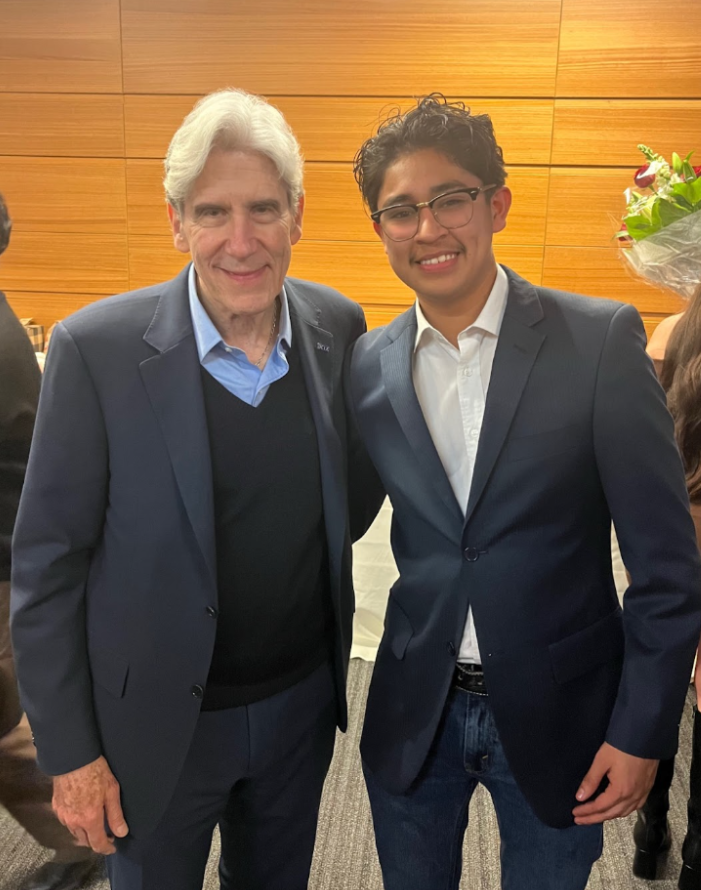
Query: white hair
[(233, 120)]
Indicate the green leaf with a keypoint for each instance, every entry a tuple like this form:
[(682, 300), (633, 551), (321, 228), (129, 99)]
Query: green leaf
[(638, 227), (688, 171), (676, 163), (670, 213), (688, 193), (689, 156), (694, 191)]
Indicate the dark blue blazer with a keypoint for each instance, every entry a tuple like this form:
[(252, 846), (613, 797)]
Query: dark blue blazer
[(575, 433), (114, 551)]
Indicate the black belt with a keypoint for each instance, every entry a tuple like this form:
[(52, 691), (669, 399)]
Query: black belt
[(470, 678)]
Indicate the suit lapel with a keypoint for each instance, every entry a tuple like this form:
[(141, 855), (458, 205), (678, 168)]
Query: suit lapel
[(396, 362), (516, 352), (318, 357), (172, 380)]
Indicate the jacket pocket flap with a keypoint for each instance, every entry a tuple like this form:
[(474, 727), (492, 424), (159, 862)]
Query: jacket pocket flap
[(110, 672), (398, 629), (588, 649)]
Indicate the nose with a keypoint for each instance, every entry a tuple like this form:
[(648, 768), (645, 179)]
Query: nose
[(240, 241), (429, 227)]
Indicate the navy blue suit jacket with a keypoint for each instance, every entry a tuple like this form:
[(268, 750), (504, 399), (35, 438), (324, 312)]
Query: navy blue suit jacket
[(114, 551), (575, 433)]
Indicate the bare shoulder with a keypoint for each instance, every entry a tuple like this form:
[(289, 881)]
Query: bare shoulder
[(657, 344)]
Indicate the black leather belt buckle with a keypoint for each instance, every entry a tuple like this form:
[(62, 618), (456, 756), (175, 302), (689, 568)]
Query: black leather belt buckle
[(470, 678)]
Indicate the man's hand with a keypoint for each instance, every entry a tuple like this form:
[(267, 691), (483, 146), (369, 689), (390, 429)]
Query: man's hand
[(87, 802), (630, 780)]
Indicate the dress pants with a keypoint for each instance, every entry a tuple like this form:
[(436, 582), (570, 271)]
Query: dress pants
[(420, 834), (257, 772), (25, 791)]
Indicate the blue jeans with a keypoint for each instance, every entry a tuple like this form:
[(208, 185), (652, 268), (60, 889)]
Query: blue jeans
[(419, 834)]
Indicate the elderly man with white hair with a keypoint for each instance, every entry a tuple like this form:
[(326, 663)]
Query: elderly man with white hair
[(182, 599)]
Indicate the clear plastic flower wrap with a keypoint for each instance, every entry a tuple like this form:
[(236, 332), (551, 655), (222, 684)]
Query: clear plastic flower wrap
[(670, 258)]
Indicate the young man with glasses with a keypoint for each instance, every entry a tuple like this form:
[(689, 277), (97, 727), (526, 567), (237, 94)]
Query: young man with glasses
[(509, 424)]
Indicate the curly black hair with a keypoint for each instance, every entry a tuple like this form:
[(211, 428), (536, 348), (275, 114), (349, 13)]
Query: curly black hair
[(434, 123)]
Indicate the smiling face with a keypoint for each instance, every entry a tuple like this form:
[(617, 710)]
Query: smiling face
[(449, 269), (238, 225)]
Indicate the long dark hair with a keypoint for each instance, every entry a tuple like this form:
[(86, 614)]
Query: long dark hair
[(681, 380)]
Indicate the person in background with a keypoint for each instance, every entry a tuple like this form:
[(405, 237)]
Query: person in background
[(182, 596), (675, 349), (25, 791), (510, 424)]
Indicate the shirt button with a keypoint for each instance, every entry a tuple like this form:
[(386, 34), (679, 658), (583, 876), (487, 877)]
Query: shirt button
[(474, 434), (471, 554), (197, 691), (467, 372), (212, 612), (227, 349), (451, 648)]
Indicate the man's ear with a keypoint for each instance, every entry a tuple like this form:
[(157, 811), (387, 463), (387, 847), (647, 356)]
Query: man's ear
[(176, 224), (296, 229), (500, 206)]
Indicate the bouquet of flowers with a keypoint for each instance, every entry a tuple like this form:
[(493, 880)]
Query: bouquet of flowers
[(661, 227)]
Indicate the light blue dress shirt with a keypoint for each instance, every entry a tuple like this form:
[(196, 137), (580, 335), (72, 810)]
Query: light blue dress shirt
[(228, 364)]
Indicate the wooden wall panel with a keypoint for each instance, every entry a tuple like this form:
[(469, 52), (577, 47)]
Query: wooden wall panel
[(314, 47), (91, 264), (152, 258), (66, 195), (54, 125), (333, 129), (600, 272), (91, 92), (606, 133), (47, 308), (146, 204), (619, 48), (585, 206), (67, 46)]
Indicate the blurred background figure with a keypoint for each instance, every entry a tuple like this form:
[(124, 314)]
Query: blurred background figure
[(675, 348), (24, 790)]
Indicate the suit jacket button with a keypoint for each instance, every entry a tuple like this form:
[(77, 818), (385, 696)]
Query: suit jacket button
[(212, 612), (197, 691), (471, 554), (451, 648)]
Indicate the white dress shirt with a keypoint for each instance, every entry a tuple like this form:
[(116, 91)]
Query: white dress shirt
[(451, 385)]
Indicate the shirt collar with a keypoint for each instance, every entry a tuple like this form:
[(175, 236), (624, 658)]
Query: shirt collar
[(489, 320), (206, 334)]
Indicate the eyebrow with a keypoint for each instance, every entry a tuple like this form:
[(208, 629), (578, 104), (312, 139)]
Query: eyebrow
[(206, 205), (406, 198)]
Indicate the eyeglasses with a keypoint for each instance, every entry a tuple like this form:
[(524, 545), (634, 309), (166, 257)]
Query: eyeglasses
[(450, 210)]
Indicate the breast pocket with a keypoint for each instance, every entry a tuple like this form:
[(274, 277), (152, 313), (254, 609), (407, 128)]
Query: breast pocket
[(547, 444)]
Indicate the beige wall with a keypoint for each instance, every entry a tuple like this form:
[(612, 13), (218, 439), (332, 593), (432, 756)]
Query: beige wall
[(92, 90)]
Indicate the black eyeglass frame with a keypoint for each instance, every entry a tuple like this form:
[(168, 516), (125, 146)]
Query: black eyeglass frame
[(474, 193)]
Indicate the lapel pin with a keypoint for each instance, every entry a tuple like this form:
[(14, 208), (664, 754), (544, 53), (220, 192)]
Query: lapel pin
[(323, 347)]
